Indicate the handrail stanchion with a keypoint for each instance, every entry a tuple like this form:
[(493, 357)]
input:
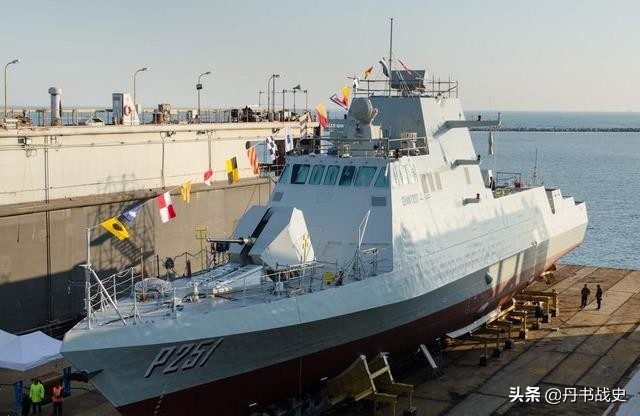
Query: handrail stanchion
[(135, 309), (173, 301), (244, 290), (115, 294)]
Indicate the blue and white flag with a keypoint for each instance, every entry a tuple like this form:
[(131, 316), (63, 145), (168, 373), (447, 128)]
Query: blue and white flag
[(272, 148), (288, 140), (131, 214), (385, 70)]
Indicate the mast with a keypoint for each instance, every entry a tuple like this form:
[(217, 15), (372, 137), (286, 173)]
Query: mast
[(534, 179), (390, 55)]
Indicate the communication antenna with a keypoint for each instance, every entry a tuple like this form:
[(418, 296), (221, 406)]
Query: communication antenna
[(356, 263), (534, 177), (362, 228)]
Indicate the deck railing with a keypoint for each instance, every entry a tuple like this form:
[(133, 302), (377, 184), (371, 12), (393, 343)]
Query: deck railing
[(379, 148), (148, 295), (427, 87), (85, 116)]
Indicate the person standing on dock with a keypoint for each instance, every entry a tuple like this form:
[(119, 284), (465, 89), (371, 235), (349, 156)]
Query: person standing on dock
[(56, 398), (585, 295), (36, 394), (599, 296)]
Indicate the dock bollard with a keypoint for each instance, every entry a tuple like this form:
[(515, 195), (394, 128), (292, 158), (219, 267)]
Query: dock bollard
[(484, 361)]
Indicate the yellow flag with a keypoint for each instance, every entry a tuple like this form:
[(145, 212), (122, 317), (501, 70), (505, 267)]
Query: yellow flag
[(115, 227), (231, 166), (186, 191), (345, 95)]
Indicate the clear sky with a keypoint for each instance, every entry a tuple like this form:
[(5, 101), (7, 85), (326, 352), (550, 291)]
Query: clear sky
[(507, 54)]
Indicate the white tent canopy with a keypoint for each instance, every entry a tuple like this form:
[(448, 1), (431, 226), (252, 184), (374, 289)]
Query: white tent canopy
[(6, 337), (25, 352)]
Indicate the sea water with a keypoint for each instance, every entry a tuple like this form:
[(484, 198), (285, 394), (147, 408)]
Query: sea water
[(569, 119)]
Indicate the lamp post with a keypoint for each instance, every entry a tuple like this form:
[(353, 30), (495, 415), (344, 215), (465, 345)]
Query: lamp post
[(15, 61), (146, 68), (269, 97), (306, 100), (283, 92), (271, 84), (260, 97), (295, 89), (199, 87)]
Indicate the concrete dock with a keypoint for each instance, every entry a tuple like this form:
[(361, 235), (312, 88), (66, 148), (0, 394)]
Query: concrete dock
[(580, 348)]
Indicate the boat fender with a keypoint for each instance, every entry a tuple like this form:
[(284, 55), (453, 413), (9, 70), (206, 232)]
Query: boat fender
[(127, 110)]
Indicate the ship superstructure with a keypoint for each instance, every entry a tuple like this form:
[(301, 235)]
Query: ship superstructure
[(389, 237)]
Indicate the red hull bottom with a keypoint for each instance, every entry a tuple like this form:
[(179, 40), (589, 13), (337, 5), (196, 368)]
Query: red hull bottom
[(232, 396)]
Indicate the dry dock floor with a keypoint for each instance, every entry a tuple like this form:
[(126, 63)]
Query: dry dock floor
[(579, 348)]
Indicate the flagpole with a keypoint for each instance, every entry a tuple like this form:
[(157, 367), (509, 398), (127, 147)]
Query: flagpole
[(390, 55), (87, 279)]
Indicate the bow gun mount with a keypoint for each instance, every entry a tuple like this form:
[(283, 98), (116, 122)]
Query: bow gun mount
[(275, 236), (222, 244)]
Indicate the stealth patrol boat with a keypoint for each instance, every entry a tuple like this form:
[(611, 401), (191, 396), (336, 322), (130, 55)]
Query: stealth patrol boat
[(384, 237)]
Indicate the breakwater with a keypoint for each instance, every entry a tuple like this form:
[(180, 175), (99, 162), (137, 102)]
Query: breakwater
[(563, 129)]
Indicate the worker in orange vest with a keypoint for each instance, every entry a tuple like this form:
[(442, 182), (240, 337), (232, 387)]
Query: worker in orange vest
[(57, 400)]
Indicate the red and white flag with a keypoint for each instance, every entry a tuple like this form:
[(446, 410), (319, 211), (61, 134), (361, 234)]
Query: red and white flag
[(406, 68), (253, 159), (208, 177), (166, 207)]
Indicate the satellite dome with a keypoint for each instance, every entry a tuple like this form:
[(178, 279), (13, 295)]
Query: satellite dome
[(362, 109)]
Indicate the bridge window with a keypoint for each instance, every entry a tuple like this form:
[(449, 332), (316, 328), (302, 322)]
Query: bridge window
[(316, 175), (332, 175), (399, 175), (348, 172), (404, 178), (284, 177), (411, 174), (383, 178), (365, 175), (299, 174)]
